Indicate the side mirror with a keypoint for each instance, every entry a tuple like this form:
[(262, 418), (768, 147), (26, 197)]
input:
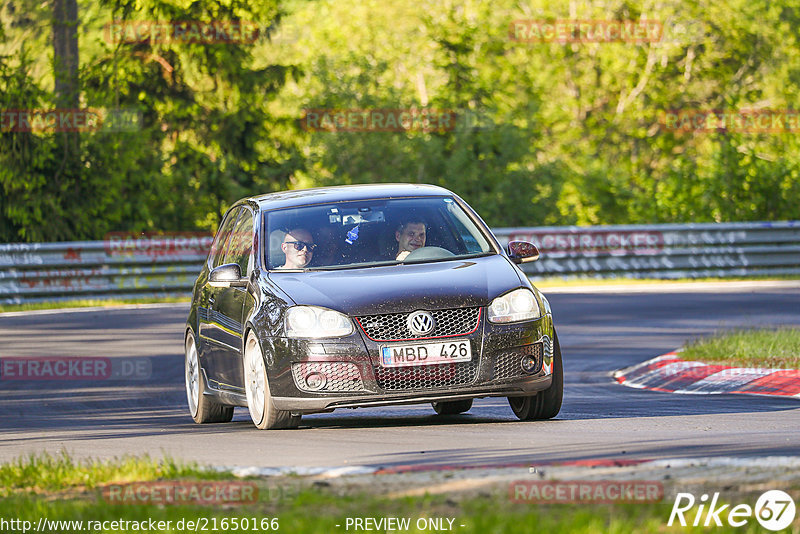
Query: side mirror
[(228, 275), (522, 251)]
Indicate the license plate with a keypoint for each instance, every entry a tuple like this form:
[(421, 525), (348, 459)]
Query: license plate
[(425, 354)]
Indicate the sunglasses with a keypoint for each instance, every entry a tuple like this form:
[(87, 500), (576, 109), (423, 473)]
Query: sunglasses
[(300, 245)]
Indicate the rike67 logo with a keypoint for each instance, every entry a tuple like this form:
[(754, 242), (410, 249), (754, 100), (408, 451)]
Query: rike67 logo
[(774, 510)]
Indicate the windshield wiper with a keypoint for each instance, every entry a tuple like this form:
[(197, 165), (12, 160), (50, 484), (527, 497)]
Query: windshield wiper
[(353, 266), (450, 258)]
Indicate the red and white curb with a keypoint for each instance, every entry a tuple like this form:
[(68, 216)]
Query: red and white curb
[(672, 374), (344, 471), (352, 470)]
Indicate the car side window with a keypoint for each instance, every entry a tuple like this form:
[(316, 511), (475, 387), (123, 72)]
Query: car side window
[(241, 242), (220, 243)]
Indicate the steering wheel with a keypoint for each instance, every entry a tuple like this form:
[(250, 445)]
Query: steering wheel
[(428, 253)]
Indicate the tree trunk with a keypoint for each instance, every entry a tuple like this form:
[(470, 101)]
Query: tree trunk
[(65, 72), (65, 53)]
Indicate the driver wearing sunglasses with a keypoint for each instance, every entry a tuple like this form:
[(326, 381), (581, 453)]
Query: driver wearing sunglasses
[(298, 246)]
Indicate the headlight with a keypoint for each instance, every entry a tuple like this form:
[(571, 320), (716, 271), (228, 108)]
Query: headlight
[(518, 305), (311, 321)]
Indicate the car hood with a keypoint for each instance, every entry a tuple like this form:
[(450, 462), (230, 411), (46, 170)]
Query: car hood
[(403, 288)]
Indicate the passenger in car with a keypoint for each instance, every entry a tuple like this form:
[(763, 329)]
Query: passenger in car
[(298, 246)]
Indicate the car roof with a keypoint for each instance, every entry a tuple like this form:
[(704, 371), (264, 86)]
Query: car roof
[(321, 195)]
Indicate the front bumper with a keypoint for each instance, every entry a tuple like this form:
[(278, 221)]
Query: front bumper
[(484, 376), (318, 404)]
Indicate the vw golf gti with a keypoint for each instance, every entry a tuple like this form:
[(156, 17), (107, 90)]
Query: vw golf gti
[(360, 296)]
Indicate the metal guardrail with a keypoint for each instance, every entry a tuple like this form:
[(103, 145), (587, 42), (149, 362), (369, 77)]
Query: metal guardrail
[(663, 250), (124, 267)]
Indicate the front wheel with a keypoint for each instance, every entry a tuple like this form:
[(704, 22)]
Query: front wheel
[(547, 403), (259, 400), (202, 408)]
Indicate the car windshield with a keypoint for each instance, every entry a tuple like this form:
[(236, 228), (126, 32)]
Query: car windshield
[(371, 232)]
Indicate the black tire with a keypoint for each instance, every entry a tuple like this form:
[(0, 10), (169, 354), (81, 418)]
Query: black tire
[(202, 408), (547, 403), (452, 407), (259, 399)]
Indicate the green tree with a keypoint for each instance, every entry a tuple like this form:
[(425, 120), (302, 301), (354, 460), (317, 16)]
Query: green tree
[(206, 136)]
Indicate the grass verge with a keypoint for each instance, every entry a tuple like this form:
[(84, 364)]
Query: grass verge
[(313, 508), (47, 473), (778, 348), (556, 281), (88, 303)]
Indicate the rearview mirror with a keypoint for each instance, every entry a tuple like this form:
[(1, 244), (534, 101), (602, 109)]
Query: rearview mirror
[(522, 251), (227, 275)]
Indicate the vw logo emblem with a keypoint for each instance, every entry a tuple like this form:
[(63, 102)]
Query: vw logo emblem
[(420, 323)]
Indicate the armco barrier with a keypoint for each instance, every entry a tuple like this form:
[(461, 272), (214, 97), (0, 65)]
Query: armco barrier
[(663, 250), (122, 266)]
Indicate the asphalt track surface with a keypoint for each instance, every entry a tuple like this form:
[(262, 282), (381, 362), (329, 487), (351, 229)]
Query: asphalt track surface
[(599, 332)]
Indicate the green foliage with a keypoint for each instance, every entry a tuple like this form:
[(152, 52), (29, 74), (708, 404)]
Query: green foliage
[(547, 133), (46, 472), (569, 133), (204, 139)]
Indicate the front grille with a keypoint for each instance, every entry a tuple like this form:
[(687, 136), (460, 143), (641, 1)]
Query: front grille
[(392, 326), (341, 376), (426, 376), (507, 362)]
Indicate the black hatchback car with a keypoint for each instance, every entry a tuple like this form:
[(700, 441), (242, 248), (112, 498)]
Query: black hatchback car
[(360, 296)]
